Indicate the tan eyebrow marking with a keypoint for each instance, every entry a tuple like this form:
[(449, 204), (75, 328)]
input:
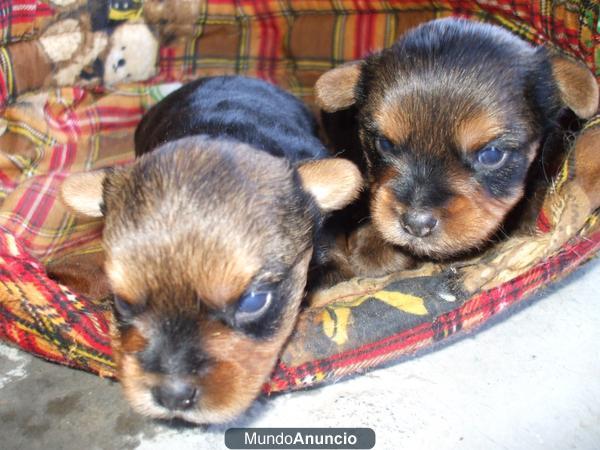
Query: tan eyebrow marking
[(392, 122), (476, 131)]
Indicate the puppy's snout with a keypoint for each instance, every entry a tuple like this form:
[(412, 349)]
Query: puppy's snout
[(419, 223), (175, 395)]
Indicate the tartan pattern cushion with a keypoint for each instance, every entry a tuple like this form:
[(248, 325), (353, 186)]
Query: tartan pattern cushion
[(69, 115), (289, 43)]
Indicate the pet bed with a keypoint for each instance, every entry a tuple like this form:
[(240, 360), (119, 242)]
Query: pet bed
[(75, 79)]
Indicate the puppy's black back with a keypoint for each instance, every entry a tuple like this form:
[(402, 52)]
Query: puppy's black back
[(233, 107)]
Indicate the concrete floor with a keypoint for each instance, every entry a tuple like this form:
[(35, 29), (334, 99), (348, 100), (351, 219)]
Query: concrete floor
[(529, 381)]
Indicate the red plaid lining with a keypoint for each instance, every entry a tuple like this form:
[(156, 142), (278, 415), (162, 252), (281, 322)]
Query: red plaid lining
[(84, 319)]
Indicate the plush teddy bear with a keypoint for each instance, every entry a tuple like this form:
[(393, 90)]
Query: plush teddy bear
[(132, 54), (70, 45), (72, 51)]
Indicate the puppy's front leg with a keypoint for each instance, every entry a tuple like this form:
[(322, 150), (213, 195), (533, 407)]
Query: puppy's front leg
[(360, 253), (371, 256)]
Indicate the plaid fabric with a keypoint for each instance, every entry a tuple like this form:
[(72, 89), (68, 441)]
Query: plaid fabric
[(272, 39), (22, 19), (53, 131), (47, 319)]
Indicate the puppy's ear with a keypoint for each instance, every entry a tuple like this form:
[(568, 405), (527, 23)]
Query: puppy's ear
[(333, 182), (82, 192), (336, 89), (577, 86)]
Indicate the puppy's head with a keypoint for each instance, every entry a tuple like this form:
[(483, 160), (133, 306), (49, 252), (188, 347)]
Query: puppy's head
[(207, 247), (450, 119)]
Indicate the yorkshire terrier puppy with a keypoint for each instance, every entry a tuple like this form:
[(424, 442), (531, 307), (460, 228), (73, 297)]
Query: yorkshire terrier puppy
[(449, 120), (208, 237)]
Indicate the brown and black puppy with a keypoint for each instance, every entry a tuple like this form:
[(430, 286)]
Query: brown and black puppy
[(208, 236), (449, 121)]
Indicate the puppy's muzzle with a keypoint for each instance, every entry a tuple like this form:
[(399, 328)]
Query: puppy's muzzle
[(175, 395), (418, 222)]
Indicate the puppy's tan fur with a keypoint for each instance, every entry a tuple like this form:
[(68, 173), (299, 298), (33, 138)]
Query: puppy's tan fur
[(437, 100), (189, 228)]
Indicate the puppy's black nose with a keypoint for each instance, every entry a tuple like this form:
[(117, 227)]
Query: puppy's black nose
[(419, 223), (175, 395)]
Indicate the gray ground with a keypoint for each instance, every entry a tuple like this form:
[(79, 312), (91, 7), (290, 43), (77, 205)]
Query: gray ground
[(530, 381)]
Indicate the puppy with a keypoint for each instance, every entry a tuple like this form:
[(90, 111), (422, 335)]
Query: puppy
[(208, 237), (449, 120)]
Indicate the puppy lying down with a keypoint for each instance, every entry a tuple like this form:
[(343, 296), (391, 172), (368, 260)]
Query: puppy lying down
[(208, 236), (449, 121)]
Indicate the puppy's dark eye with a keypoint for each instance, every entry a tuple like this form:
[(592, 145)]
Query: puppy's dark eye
[(491, 157), (384, 145), (252, 305), (123, 309)]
